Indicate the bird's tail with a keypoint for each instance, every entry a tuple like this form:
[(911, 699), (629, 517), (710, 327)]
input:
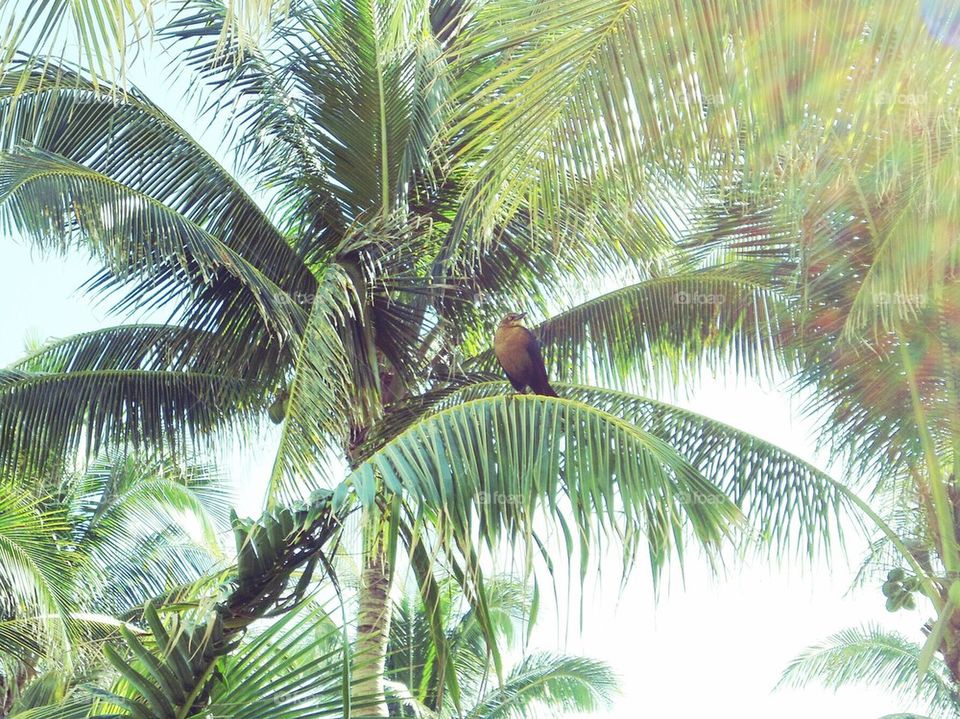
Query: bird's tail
[(547, 390)]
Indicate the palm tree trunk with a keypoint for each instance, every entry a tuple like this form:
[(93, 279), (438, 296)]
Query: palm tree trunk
[(373, 623)]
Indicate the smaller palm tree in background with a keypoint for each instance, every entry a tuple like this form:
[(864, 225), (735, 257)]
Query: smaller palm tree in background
[(79, 557), (552, 683), (906, 565), (872, 656)]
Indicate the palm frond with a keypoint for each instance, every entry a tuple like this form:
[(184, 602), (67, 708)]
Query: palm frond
[(527, 267), (709, 90), (103, 35), (35, 575), (494, 464), (413, 657), (378, 59), (665, 329), (102, 32), (149, 173), (134, 143), (46, 415), (875, 657), (57, 201), (19, 641), (104, 385), (148, 528), (175, 669), (559, 684), (154, 347), (69, 709), (315, 409), (790, 504), (293, 669)]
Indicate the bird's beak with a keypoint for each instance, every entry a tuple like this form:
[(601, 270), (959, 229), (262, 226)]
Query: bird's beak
[(522, 315)]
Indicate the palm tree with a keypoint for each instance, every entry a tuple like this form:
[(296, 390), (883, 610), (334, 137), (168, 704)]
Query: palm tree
[(822, 138), (357, 298), (103, 35), (822, 143), (538, 682), (871, 278), (872, 656), (82, 555)]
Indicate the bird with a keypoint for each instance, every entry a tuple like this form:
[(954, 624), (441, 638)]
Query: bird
[(518, 352)]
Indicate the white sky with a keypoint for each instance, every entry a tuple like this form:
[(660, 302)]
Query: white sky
[(709, 648)]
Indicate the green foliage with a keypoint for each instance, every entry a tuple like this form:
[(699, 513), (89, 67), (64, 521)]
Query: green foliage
[(872, 656), (789, 504), (424, 167), (489, 464), (34, 572), (557, 684), (85, 548), (180, 669)]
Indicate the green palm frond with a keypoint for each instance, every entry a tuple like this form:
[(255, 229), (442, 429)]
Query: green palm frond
[(862, 389), (715, 91), (46, 415), (498, 462), (875, 657), (68, 709), (529, 268), (109, 539), (137, 385), (19, 641), (315, 411), (540, 681), (413, 658), (104, 36), (293, 669), (174, 669), (148, 528), (150, 347), (43, 691), (790, 504), (378, 59), (164, 567), (53, 200), (666, 328), (122, 138), (384, 63), (873, 282), (128, 149), (269, 136), (558, 684), (154, 493), (567, 68), (103, 31), (34, 572), (892, 256)]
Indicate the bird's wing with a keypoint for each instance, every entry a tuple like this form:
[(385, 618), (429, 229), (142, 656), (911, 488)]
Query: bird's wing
[(517, 385), (539, 382), (510, 348)]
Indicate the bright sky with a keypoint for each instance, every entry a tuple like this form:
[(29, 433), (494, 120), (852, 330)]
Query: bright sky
[(708, 648)]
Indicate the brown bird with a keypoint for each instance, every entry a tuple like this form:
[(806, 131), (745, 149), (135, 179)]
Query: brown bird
[(518, 352)]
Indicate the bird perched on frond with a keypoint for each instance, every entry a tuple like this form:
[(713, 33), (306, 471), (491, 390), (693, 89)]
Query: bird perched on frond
[(518, 352)]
